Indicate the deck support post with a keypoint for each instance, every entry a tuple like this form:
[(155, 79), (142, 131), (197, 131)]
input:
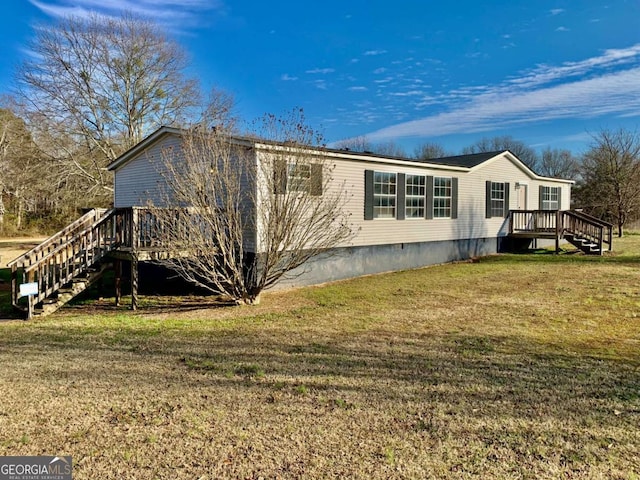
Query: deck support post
[(135, 236), (134, 281), (14, 285), (118, 281), (30, 298), (558, 230)]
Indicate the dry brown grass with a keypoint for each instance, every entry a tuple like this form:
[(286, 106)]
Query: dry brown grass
[(513, 367)]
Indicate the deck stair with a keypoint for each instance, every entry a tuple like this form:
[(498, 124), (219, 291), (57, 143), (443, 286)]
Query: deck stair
[(587, 233), (65, 264)]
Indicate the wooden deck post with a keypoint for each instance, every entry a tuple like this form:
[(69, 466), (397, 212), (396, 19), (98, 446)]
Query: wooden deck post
[(134, 281), (30, 298), (135, 234), (14, 285), (558, 230)]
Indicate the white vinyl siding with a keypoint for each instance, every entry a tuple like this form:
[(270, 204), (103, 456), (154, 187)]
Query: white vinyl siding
[(140, 181)]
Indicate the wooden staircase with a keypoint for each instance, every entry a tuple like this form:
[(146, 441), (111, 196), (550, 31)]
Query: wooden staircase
[(65, 264), (587, 233)]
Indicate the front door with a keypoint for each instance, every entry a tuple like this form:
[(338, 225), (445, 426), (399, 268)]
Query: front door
[(521, 190)]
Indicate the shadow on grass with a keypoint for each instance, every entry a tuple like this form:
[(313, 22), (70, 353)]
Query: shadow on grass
[(498, 376), (546, 410), (7, 312)]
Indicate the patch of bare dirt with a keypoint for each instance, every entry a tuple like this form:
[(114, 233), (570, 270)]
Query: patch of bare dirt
[(11, 248)]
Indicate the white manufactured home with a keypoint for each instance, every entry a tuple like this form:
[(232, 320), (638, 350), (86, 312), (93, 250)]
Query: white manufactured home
[(406, 213)]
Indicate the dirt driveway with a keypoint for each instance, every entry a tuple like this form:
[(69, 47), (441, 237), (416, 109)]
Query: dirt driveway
[(11, 248)]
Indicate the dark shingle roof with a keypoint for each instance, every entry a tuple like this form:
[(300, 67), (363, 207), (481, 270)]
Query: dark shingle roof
[(467, 161)]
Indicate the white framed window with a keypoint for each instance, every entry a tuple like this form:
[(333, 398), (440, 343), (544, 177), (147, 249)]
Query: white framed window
[(298, 177), (497, 199), (442, 197), (415, 189), (550, 198), (384, 195)]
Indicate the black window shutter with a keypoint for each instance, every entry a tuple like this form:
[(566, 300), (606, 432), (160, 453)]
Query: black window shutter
[(541, 197), (428, 211), (368, 194), (506, 199), (559, 190), (487, 213), (316, 179), (454, 197), (400, 196), (280, 177)]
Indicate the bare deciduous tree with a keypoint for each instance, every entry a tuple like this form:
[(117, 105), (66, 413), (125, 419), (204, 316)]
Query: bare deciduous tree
[(429, 150), (93, 87), (21, 172), (559, 164), (526, 154), (253, 209), (389, 149), (610, 184)]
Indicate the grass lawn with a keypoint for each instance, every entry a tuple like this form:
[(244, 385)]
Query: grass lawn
[(510, 367)]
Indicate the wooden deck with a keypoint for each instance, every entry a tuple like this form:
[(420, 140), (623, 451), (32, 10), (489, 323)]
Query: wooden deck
[(584, 231)]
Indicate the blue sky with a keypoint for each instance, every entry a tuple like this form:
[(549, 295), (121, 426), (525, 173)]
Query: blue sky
[(548, 72)]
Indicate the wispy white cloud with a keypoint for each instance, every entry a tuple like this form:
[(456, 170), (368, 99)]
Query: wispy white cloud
[(320, 84), (320, 71), (358, 88), (288, 78), (410, 93), (562, 29), (556, 11), (370, 53), (380, 70), (174, 13), (608, 84)]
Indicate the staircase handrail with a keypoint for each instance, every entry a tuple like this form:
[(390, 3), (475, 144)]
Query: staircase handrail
[(106, 216), (603, 233), (61, 264), (73, 227), (593, 219)]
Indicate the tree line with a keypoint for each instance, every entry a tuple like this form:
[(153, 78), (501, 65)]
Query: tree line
[(92, 87)]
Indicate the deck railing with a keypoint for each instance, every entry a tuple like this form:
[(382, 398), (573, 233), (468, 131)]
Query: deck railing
[(60, 238), (533, 221), (139, 228)]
